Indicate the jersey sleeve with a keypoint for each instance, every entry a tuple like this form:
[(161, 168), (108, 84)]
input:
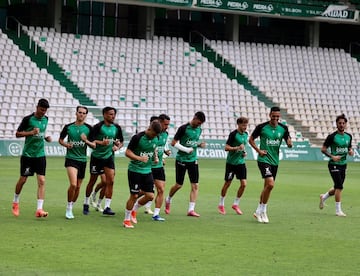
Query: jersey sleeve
[(231, 138), (24, 123), (64, 132), (119, 134), (180, 132), (95, 130), (329, 140), (257, 131), (134, 141)]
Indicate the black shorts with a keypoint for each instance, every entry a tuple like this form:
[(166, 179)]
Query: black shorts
[(338, 173), (232, 170), (31, 165), (79, 165), (97, 165), (158, 173), (267, 170), (139, 181), (191, 167)]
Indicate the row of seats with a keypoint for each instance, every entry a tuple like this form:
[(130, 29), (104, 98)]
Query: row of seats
[(119, 86), (304, 80), (140, 92)]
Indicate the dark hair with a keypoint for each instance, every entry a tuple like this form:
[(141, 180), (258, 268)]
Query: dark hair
[(156, 126), (274, 109), (84, 107), (163, 117), (108, 108), (153, 118), (200, 115), (242, 120), (43, 103), (342, 116)]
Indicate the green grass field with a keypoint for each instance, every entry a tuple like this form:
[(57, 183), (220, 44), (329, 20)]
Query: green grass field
[(299, 240)]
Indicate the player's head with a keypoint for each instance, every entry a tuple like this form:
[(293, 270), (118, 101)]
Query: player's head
[(43, 103), (200, 116), (198, 119), (154, 129), (81, 113), (341, 117), (242, 123), (41, 108), (81, 108), (153, 118), (341, 121), (242, 120), (274, 115), (109, 114), (164, 121), (108, 108)]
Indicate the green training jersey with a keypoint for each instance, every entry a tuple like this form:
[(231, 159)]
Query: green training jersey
[(270, 140), (34, 144), (141, 145), (163, 136), (339, 145), (236, 139), (73, 133), (100, 132), (187, 136)]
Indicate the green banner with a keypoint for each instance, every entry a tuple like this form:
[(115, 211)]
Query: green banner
[(172, 2), (340, 12), (301, 151)]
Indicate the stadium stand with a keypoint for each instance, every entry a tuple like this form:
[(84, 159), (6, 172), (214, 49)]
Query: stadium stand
[(145, 77), (165, 74), (22, 83), (312, 84)]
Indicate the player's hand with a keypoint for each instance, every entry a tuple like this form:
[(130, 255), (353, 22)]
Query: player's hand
[(262, 152), (202, 144), (336, 158), (105, 142), (35, 131), (83, 137), (351, 152), (144, 158), (48, 139), (118, 143)]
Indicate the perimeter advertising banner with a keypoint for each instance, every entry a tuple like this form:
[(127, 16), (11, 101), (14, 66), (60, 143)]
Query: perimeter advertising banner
[(172, 2), (214, 150), (339, 12)]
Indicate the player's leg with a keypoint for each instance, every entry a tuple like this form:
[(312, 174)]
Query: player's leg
[(110, 176), (18, 187), (71, 193), (89, 188), (193, 170), (180, 171), (241, 173)]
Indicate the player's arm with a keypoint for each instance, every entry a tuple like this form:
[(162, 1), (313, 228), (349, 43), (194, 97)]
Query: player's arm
[(176, 144), (87, 142), (324, 150), (237, 148), (65, 144), (131, 155), (255, 147), (289, 142)]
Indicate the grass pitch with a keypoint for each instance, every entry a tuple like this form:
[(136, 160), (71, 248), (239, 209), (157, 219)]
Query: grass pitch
[(299, 240)]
